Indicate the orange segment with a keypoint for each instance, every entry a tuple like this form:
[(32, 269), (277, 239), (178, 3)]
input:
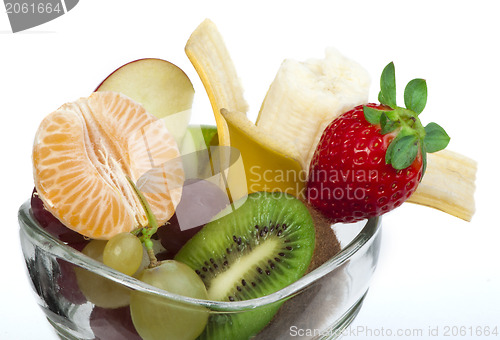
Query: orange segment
[(83, 153)]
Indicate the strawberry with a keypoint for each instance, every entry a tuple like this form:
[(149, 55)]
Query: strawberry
[(371, 159)]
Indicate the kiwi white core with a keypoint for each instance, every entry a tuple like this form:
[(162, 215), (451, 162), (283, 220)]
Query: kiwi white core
[(219, 287)]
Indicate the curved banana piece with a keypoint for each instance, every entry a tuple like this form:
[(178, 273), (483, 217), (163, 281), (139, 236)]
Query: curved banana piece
[(448, 184), (207, 52), (306, 96)]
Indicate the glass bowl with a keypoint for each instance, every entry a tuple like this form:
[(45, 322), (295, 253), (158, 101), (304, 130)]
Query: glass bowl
[(320, 305)]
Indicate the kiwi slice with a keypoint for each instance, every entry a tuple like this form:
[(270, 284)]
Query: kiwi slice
[(254, 250)]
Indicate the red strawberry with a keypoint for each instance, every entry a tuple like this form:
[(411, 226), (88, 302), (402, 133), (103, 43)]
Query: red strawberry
[(372, 158)]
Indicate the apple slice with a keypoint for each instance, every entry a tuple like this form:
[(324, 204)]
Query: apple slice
[(161, 87)]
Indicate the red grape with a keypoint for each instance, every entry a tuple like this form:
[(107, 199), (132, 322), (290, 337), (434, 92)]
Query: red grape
[(68, 286), (53, 226), (201, 200), (113, 324)]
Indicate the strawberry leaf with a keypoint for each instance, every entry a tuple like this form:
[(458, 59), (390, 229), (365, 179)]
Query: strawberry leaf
[(424, 160), (435, 138), (387, 125), (388, 86), (404, 151), (411, 137), (388, 152), (372, 115), (416, 95), (381, 97), (392, 115)]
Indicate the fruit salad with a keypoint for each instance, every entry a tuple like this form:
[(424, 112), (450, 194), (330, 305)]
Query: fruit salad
[(234, 211)]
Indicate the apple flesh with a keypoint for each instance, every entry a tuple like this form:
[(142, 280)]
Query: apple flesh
[(161, 87)]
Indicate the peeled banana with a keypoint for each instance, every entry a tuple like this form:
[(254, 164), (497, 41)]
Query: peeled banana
[(306, 96), (448, 184)]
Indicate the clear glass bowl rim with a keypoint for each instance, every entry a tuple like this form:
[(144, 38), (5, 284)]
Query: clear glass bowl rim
[(50, 244)]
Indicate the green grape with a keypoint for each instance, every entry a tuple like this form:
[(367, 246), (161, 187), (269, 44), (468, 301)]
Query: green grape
[(100, 291), (123, 252), (155, 318)]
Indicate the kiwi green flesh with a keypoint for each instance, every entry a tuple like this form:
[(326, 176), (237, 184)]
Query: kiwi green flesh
[(241, 326), (261, 247), (254, 250)]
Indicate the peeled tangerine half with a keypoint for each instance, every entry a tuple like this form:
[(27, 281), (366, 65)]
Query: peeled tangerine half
[(83, 153)]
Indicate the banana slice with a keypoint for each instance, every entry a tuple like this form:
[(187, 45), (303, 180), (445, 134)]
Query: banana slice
[(306, 96), (448, 184)]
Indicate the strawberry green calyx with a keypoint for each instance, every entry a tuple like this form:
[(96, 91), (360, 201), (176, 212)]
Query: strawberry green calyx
[(410, 136)]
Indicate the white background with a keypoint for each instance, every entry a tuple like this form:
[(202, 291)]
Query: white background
[(434, 270)]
